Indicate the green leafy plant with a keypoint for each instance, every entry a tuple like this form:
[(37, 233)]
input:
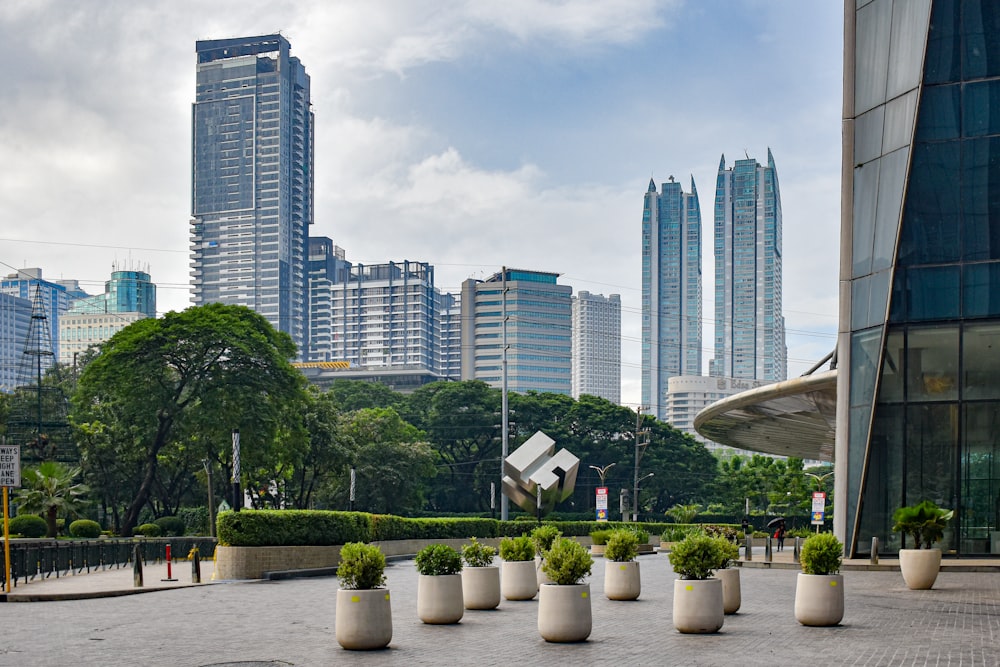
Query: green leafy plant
[(148, 530), (623, 546), (28, 525), (641, 534), (543, 537), (677, 533), (438, 559), (517, 548), (50, 489), (683, 513), (729, 549), (476, 554), (85, 528), (600, 537), (728, 532), (362, 566), (697, 556), (567, 561), (925, 522), (171, 525), (822, 553)]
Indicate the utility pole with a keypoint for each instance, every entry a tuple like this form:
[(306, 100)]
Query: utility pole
[(640, 445), (211, 498), (504, 425)]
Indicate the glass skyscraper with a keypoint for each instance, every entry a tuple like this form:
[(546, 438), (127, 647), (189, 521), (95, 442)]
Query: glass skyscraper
[(671, 290), (252, 180), (749, 325)]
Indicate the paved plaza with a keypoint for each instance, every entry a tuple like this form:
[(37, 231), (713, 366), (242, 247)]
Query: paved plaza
[(291, 622)]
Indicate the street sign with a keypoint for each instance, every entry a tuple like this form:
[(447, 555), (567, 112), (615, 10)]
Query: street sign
[(602, 503), (818, 508), (10, 465)]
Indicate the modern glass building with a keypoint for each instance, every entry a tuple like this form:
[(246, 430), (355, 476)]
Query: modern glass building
[(15, 322), (749, 325), (597, 346), (252, 180), (126, 292), (28, 284), (919, 387), (671, 289), (539, 328)]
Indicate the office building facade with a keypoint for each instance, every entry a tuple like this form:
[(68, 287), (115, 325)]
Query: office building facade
[(28, 284), (538, 315), (749, 325), (597, 346), (919, 386), (15, 321), (671, 289), (252, 180)]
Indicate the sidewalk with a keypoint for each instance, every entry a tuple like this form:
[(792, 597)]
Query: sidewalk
[(113, 582)]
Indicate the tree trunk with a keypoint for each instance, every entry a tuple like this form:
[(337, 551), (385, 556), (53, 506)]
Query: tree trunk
[(52, 529), (142, 495)]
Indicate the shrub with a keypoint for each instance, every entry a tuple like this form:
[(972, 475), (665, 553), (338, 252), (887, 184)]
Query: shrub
[(517, 548), (438, 559), (822, 553), (641, 534), (543, 537), (726, 532), (85, 528), (925, 521), (677, 533), (270, 528), (171, 526), (567, 562), (195, 520), (28, 525), (148, 530), (623, 546), (362, 566), (696, 557), (683, 513), (600, 537), (478, 555), (730, 551)]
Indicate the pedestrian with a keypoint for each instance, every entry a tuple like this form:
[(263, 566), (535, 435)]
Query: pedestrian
[(779, 535)]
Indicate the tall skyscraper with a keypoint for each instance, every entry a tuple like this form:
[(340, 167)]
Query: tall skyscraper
[(27, 284), (252, 180), (749, 325), (597, 346), (671, 289), (539, 326)]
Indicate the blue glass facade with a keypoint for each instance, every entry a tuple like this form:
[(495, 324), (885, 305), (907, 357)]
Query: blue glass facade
[(252, 180), (749, 325), (671, 290), (922, 406)]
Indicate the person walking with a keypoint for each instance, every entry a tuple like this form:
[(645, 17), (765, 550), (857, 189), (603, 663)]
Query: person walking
[(779, 535)]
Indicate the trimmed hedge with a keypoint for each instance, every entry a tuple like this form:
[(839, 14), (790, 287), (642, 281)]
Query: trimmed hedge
[(28, 525), (85, 528), (171, 526), (263, 528)]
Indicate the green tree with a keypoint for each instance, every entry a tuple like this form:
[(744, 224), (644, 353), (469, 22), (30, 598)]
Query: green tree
[(328, 451), (50, 489), (183, 382)]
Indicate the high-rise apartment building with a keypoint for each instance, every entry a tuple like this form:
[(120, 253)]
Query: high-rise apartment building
[(597, 346), (671, 289), (538, 331), (252, 180), (749, 325)]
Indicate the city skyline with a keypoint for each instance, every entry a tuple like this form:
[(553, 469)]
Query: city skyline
[(456, 136)]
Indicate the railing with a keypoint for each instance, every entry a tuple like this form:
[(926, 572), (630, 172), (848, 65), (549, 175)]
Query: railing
[(41, 559)]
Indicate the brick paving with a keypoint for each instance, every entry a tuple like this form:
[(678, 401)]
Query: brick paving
[(291, 623)]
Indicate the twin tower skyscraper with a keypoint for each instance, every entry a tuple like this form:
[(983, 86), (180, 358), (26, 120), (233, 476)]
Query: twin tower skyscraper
[(749, 326)]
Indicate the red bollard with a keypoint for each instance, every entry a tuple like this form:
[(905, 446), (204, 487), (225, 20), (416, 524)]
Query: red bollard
[(170, 576)]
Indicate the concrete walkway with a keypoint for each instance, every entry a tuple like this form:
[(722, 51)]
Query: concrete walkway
[(113, 582)]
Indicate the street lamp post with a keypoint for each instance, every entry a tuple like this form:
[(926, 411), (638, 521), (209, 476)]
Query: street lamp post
[(603, 472)]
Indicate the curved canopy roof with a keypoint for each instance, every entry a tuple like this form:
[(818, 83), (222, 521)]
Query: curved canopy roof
[(795, 417)]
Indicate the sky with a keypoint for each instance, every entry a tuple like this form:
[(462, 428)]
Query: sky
[(468, 134)]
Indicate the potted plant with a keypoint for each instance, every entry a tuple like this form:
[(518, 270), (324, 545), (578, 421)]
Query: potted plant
[(819, 588), (364, 615), (543, 537), (564, 613), (480, 577), (621, 573), (925, 522), (698, 606), (439, 585), (732, 596), (599, 540), (518, 580), (642, 535)]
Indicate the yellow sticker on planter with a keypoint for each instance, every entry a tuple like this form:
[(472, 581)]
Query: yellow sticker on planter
[(583, 594), (833, 583), (689, 587), (622, 567), (386, 596), (355, 598)]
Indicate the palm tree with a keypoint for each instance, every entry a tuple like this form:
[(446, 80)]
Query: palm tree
[(49, 489)]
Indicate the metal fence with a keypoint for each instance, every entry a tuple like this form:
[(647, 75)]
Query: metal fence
[(41, 559)]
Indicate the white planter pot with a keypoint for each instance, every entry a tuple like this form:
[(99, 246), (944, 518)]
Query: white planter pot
[(621, 580), (518, 580), (919, 567), (542, 577), (819, 599), (698, 605), (439, 598), (481, 587), (364, 619), (564, 613), (732, 596)]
